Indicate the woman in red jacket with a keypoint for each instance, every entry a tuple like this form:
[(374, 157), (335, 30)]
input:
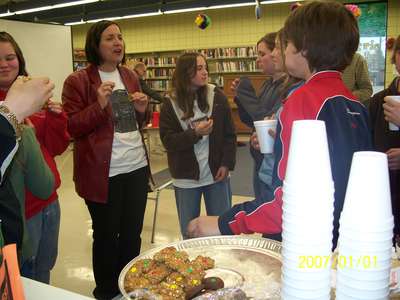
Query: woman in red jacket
[(43, 216), (110, 161)]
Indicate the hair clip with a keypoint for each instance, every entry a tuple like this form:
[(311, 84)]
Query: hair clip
[(354, 9), (293, 6)]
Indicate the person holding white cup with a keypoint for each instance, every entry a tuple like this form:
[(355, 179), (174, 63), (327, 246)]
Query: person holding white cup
[(265, 139), (392, 111), (384, 111)]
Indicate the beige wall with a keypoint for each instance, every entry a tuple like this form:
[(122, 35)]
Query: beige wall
[(392, 31), (230, 27)]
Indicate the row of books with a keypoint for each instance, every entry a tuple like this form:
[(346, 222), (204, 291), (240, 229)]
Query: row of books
[(158, 61), (160, 85), (233, 66), (229, 52), (151, 73)]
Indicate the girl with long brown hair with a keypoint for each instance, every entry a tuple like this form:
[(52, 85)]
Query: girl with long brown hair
[(197, 131)]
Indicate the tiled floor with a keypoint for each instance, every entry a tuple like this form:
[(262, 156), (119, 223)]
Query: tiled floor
[(73, 270)]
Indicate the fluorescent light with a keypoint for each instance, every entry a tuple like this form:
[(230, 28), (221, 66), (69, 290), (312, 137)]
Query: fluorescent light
[(48, 7), (73, 3), (30, 10), (279, 1), (156, 13), (231, 5), (142, 15), (175, 11), (8, 13), (75, 23)]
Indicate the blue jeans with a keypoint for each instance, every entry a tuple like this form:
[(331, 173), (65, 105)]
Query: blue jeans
[(43, 231), (217, 197)]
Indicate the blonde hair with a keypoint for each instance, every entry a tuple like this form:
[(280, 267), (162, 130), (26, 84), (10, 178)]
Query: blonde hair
[(138, 65)]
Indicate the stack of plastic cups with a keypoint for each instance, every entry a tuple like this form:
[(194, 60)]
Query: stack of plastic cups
[(366, 230), (308, 197)]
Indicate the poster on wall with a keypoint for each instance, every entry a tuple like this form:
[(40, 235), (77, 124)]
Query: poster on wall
[(372, 24)]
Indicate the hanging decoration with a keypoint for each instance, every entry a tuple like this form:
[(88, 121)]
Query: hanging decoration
[(202, 21), (258, 10)]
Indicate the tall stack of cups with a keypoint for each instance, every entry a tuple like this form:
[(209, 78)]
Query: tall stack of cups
[(308, 204), (366, 230)]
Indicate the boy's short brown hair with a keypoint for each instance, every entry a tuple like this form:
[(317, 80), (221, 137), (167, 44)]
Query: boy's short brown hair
[(325, 32), (396, 48)]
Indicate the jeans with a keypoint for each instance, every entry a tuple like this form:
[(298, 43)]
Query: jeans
[(217, 197), (43, 229), (117, 226)]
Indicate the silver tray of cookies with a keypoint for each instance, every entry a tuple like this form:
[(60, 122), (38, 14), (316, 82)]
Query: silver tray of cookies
[(247, 263)]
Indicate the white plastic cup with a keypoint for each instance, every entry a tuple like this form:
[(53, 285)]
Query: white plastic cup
[(307, 247), (290, 291), (308, 163), (318, 190), (365, 244), (286, 296), (367, 236), (342, 296), (304, 283), (265, 141), (297, 230), (364, 293), (360, 284), (393, 127), (317, 211), (367, 204), (385, 226), (349, 249), (368, 274)]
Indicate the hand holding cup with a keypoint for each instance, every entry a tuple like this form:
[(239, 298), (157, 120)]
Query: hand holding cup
[(391, 109)]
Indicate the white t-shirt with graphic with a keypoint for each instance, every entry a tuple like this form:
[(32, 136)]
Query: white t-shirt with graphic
[(128, 152)]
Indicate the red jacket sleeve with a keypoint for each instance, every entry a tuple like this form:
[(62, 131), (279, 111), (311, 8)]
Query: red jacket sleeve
[(51, 131)]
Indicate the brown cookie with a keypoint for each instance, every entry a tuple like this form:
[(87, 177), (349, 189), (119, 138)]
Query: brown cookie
[(213, 283)]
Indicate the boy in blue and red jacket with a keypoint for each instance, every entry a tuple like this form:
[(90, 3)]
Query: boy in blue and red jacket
[(322, 38)]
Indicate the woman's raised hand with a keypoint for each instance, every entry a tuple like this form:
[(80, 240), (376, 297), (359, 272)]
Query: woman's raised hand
[(104, 92)]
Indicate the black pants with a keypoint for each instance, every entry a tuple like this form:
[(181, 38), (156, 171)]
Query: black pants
[(117, 226)]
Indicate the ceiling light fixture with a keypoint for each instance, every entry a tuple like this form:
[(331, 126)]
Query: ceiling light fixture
[(231, 5), (73, 3), (48, 7), (157, 13), (117, 18), (75, 23), (279, 1), (8, 13), (177, 11)]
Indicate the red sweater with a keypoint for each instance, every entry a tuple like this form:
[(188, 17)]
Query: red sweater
[(52, 135)]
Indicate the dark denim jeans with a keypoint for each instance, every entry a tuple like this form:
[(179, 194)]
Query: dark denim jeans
[(43, 229)]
